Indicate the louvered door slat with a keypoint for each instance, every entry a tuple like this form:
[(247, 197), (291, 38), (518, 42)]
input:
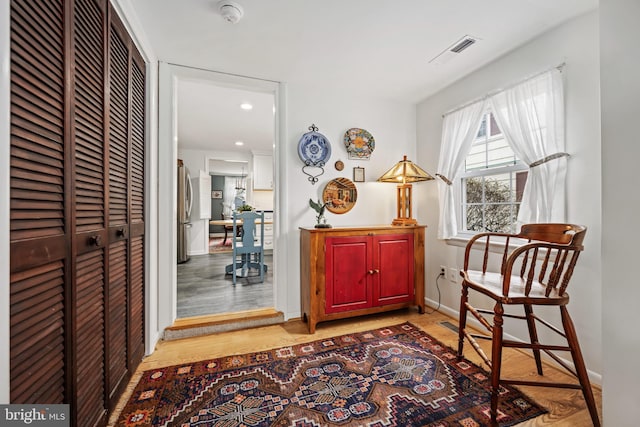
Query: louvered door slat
[(137, 144), (89, 304), (88, 118), (136, 310), (36, 116), (118, 134), (33, 334), (118, 312)]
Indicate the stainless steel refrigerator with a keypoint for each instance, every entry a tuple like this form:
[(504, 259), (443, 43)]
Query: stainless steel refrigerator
[(185, 201)]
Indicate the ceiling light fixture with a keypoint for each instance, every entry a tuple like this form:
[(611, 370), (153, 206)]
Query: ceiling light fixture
[(239, 143), (231, 11), (246, 106)]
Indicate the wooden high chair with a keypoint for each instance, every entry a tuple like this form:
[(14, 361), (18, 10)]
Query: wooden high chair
[(536, 273)]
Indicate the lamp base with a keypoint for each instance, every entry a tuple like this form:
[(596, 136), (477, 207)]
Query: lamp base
[(404, 221)]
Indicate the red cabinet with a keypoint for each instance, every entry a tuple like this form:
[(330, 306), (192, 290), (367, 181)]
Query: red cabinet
[(368, 271), (353, 271)]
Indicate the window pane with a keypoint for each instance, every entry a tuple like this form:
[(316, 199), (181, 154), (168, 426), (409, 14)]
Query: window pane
[(497, 188), (483, 128), (498, 218), (495, 130), (474, 218), (499, 153), (521, 179), (473, 190)]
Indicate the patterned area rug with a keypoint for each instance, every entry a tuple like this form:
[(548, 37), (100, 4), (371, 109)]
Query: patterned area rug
[(217, 245), (395, 376)]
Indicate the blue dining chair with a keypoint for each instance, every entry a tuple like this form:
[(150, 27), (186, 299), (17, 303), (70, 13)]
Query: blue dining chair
[(248, 245)]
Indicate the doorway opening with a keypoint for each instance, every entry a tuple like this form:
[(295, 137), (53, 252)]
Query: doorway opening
[(226, 137), (208, 118)]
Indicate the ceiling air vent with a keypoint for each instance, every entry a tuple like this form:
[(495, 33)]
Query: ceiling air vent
[(454, 49), (462, 45)]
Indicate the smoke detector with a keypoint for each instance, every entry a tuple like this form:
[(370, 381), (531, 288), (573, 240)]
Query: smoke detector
[(230, 11)]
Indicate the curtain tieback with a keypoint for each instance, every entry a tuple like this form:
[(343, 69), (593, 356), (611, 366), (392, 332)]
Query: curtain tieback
[(445, 179), (548, 159)]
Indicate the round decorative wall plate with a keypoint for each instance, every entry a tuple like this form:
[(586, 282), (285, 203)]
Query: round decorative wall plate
[(339, 165), (340, 195), (360, 143), (314, 148)]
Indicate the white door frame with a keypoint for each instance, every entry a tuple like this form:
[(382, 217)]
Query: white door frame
[(169, 75)]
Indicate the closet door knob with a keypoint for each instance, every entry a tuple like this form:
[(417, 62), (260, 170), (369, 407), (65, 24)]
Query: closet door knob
[(95, 240), (121, 232)]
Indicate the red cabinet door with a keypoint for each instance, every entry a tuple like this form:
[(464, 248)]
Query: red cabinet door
[(393, 269), (347, 281)]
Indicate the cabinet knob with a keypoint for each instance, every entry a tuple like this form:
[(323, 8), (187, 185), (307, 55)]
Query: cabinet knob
[(95, 240), (370, 271), (121, 232), (376, 271)]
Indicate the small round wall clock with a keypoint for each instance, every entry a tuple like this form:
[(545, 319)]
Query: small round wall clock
[(314, 150)]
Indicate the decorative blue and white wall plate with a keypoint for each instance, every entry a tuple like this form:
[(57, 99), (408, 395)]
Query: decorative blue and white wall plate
[(314, 150)]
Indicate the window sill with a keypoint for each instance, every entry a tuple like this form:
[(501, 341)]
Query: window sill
[(496, 245)]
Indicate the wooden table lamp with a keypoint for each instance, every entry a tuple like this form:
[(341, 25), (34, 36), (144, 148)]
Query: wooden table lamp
[(404, 173)]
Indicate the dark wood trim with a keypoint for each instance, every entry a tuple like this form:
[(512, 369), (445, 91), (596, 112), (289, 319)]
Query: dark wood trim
[(70, 280)]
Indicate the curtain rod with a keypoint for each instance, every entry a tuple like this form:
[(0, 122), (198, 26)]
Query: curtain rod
[(558, 67)]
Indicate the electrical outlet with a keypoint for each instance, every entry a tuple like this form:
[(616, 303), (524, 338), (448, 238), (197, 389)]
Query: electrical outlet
[(452, 274), (443, 271)]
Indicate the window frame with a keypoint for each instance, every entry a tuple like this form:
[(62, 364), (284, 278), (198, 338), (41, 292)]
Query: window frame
[(512, 167)]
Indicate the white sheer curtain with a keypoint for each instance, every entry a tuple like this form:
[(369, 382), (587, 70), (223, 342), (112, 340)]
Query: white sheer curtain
[(531, 116), (228, 194), (459, 128)]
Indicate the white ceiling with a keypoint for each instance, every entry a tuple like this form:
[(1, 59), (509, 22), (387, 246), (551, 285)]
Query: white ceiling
[(378, 48)]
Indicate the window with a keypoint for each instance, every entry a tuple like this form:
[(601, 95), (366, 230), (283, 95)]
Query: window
[(492, 182)]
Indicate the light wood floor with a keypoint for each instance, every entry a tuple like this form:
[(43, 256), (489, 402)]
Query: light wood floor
[(566, 407)]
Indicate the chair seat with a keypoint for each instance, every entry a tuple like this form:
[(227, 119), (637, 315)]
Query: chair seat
[(490, 284)]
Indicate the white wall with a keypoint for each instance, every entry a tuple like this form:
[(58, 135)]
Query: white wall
[(4, 201), (333, 111), (620, 68), (576, 44)]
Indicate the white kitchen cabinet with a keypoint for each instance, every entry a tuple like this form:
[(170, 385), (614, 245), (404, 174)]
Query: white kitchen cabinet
[(268, 230), (262, 172)]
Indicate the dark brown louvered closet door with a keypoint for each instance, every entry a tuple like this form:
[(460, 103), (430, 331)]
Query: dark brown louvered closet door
[(125, 207), (40, 258), (77, 196), (88, 194)]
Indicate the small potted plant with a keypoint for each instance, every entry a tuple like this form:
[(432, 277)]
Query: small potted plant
[(319, 207), (245, 208)]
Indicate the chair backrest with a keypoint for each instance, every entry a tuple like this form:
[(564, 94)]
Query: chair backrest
[(252, 234), (548, 256)]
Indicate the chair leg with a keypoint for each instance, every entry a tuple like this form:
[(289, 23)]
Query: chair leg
[(496, 360), (581, 368), (533, 335), (462, 323), (235, 268)]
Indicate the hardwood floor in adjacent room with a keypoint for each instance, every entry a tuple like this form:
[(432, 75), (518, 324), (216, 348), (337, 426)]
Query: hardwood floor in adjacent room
[(566, 407), (204, 288)]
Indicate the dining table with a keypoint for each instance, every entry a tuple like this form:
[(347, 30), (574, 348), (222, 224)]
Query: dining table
[(229, 223)]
